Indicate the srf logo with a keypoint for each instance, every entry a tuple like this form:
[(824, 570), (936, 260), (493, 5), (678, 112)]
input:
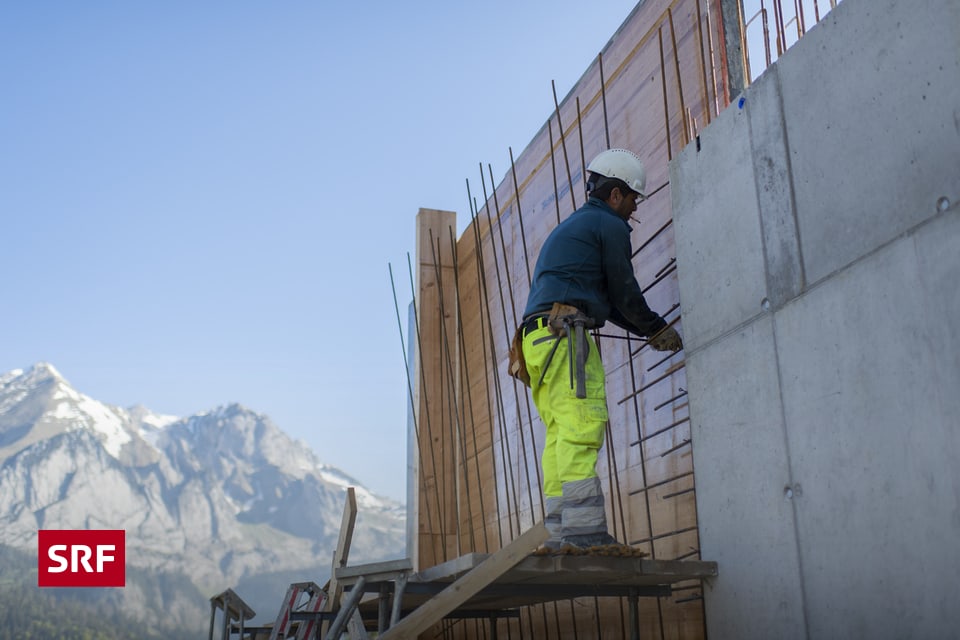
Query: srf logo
[(80, 558)]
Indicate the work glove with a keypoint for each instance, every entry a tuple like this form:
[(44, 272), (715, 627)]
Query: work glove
[(666, 340)]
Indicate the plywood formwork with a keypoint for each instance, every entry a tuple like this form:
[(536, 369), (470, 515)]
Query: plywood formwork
[(658, 80)]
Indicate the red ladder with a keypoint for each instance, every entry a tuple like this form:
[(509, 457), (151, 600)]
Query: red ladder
[(301, 596)]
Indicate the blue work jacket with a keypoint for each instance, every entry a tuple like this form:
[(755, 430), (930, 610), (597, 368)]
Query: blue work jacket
[(585, 262)]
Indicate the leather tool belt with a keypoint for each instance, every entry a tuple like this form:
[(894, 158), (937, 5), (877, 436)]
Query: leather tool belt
[(567, 321)]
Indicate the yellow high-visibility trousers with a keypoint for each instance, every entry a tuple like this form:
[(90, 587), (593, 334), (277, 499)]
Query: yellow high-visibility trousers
[(574, 429)]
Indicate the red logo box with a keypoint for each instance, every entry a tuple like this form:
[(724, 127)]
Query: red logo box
[(81, 558)]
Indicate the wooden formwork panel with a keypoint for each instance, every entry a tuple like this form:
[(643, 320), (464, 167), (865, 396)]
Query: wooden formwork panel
[(479, 457)]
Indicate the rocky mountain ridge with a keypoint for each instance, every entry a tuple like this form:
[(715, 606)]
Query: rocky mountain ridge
[(219, 497)]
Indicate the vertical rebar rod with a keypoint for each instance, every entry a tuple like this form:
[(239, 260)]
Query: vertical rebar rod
[(456, 424), (613, 478), (703, 64), (643, 468), (496, 415), (426, 407), (613, 475), (663, 84), (421, 480), (583, 160), (781, 26), (506, 453), (469, 411), (563, 144), (765, 21), (676, 64), (713, 64), (507, 339), (458, 448), (516, 321), (744, 48), (523, 234), (553, 166), (777, 24), (603, 99)]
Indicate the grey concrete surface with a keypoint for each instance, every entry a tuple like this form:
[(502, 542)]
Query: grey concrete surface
[(743, 417), (774, 188), (719, 215), (871, 101), (871, 446), (826, 423)]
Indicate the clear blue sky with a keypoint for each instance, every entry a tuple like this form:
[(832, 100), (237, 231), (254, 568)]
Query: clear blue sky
[(200, 200)]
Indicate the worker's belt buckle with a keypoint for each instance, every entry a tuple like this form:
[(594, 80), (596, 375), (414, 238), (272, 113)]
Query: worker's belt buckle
[(533, 323)]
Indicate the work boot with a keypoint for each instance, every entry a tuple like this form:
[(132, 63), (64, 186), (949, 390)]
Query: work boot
[(587, 540)]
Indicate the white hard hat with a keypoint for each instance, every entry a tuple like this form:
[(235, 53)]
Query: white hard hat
[(622, 164)]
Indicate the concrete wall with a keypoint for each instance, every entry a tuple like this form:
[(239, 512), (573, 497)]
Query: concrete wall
[(818, 246)]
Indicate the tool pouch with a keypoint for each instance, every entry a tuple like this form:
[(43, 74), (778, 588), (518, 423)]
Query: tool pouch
[(563, 318), (566, 315), (517, 366)]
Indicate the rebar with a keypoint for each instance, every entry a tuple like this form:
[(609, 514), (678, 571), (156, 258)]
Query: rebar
[(703, 63), (426, 408), (422, 485), (523, 235), (660, 431), (467, 386), (454, 416), (671, 400), (653, 237), (643, 477), (676, 64), (636, 392), (675, 448), (563, 144), (663, 84), (647, 488), (516, 321), (458, 422), (495, 415), (661, 536), (583, 160), (553, 166), (670, 269), (603, 98)]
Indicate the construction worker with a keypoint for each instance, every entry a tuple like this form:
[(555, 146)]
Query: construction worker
[(583, 279)]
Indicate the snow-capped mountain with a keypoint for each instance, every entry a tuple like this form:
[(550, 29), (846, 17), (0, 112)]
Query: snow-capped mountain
[(220, 497)]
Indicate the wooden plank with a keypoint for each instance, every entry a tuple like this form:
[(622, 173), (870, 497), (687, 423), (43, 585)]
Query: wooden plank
[(233, 605), (460, 591), (373, 571), (603, 570), (452, 568), (343, 549)]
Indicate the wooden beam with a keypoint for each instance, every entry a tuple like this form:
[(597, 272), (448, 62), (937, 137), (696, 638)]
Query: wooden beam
[(463, 589), (335, 589), (374, 571)]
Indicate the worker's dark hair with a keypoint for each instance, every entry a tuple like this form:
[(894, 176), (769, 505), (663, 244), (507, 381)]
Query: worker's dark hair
[(601, 187)]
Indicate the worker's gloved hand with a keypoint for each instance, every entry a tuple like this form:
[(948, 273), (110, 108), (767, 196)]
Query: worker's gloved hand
[(667, 340)]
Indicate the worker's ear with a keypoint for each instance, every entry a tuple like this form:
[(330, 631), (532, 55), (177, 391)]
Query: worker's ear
[(616, 197)]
